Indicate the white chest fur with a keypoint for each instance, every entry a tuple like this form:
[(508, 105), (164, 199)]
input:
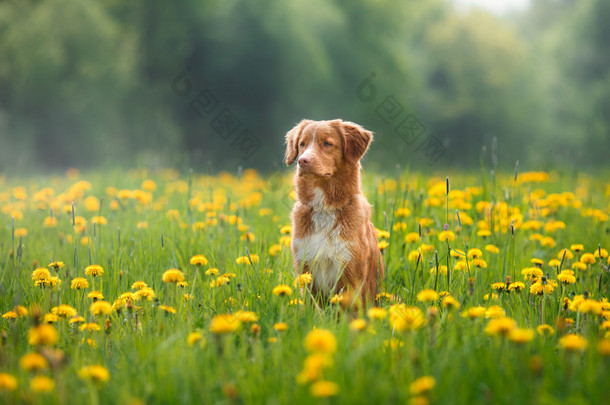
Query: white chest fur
[(324, 251)]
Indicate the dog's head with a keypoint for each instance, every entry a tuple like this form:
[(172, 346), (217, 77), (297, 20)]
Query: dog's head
[(322, 148)]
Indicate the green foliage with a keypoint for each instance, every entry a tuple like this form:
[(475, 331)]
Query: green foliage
[(87, 83)]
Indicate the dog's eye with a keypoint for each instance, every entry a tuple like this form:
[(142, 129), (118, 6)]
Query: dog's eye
[(302, 144), (327, 143)]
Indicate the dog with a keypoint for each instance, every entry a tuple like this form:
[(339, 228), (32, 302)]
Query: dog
[(333, 238)]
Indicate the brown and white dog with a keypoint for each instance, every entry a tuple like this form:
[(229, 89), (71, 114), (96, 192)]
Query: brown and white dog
[(332, 235)]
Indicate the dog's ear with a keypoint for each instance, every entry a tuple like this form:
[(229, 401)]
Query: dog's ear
[(356, 141), (292, 141)]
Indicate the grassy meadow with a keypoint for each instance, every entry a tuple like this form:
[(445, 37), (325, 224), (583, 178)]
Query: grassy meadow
[(162, 287)]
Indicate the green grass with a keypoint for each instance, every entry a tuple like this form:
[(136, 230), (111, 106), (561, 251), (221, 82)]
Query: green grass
[(145, 349)]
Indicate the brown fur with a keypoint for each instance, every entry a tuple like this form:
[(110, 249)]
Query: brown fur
[(329, 154)]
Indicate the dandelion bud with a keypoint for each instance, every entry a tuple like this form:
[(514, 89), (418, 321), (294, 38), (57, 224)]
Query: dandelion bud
[(419, 226), (586, 294), (536, 365), (508, 281), (35, 263), (543, 280), (36, 314), (229, 389)]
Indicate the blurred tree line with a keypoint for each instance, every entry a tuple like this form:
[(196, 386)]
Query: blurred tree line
[(217, 83)]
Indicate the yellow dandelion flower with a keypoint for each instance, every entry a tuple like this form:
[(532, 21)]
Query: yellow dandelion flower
[(517, 286), (42, 384), (33, 362), (480, 263), (211, 271), (474, 312), (475, 253), (427, 296), (539, 288), (64, 311), (223, 324), (446, 236), (377, 313), (282, 290), (100, 308), (94, 270), (422, 385), (357, 325), (280, 326), (50, 318), (484, 233), (96, 373), (544, 330), (320, 341), (499, 286), (573, 343), (566, 277), (412, 237), (167, 309), (79, 283), (568, 253), (95, 295), (7, 382), (500, 326), (275, 250), (587, 258), (336, 299), (548, 242), (57, 265), (494, 311), (90, 327), (323, 389), (302, 280), (146, 293), (403, 318), (521, 336), (450, 303), (138, 285), (173, 276), (603, 347), (579, 266), (76, 319), (41, 273), (246, 260), (199, 260), (492, 249), (42, 335), (247, 316)]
